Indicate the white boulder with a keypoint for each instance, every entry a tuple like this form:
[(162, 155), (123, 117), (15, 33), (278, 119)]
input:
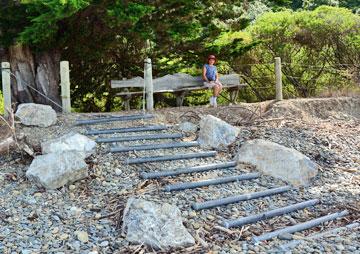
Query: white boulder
[(32, 114), (278, 161), (215, 133), (157, 225), (69, 142), (54, 170)]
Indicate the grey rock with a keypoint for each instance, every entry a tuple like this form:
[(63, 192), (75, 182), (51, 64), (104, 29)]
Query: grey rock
[(32, 114), (104, 243), (215, 133), (75, 245), (118, 172), (285, 236), (187, 127), (54, 170), (70, 141), (340, 247), (75, 211), (278, 161), (24, 251), (157, 225), (351, 248)]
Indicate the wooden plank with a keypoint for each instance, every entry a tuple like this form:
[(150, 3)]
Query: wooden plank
[(182, 80), (198, 88), (179, 90), (130, 93), (134, 82), (6, 144), (6, 88), (149, 85), (65, 86), (174, 82)]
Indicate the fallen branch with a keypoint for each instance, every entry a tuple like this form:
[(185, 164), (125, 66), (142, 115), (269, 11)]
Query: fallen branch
[(292, 244), (6, 144), (190, 114), (262, 120), (274, 119), (9, 139), (226, 230)]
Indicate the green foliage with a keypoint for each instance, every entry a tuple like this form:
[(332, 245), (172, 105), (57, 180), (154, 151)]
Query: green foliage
[(37, 23), (231, 45), (106, 39), (313, 4), (313, 46), (45, 17)]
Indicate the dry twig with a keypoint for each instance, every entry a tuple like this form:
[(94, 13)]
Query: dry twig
[(9, 139)]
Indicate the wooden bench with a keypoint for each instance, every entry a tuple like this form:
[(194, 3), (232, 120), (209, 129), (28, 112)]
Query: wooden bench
[(179, 84)]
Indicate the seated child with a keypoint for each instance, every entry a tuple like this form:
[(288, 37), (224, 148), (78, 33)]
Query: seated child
[(211, 78)]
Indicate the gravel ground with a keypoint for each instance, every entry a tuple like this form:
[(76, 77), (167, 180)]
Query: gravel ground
[(33, 220)]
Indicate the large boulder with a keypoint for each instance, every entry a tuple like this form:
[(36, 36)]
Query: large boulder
[(157, 225), (54, 170), (36, 115), (68, 142), (215, 133), (278, 161)]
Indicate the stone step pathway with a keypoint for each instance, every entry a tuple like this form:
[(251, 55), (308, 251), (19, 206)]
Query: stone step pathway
[(127, 129), (292, 203), (122, 149)]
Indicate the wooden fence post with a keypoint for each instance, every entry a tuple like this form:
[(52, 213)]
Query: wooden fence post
[(65, 86), (278, 76), (6, 89), (149, 85)]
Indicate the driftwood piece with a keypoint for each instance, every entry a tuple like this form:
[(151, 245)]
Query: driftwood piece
[(7, 133), (134, 82), (174, 82), (6, 144), (180, 84)]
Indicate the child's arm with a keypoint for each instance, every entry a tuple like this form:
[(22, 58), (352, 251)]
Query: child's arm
[(204, 74), (217, 77)]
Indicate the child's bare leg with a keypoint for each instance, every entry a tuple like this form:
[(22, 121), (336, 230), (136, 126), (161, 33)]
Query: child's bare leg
[(217, 90)]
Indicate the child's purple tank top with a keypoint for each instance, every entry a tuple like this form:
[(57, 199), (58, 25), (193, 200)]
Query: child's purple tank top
[(211, 72)]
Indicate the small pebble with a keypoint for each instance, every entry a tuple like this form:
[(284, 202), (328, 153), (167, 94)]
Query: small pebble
[(75, 211), (37, 195), (104, 243), (285, 236), (192, 214), (64, 236), (340, 247), (118, 172), (210, 217), (196, 225), (55, 230), (82, 236)]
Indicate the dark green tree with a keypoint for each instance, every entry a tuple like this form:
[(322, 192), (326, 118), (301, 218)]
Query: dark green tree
[(105, 39)]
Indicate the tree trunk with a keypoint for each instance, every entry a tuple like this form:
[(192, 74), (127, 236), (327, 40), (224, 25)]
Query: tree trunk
[(36, 76)]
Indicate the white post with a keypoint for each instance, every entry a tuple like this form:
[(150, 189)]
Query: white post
[(65, 86), (149, 85), (278, 77), (6, 89)]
